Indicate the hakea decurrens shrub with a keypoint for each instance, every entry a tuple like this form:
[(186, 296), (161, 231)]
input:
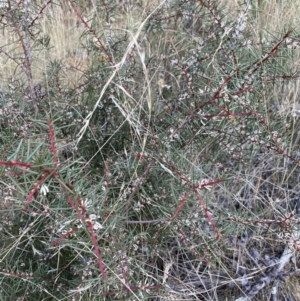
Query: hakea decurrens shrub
[(136, 143)]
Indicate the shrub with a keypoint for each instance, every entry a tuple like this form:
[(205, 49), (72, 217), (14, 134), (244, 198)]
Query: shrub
[(152, 161)]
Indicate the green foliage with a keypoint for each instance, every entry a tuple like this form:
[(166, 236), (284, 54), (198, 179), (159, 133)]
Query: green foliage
[(169, 143)]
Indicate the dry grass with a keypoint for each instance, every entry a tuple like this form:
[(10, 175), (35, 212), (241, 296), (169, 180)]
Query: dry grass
[(61, 25), (271, 15), (65, 32)]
